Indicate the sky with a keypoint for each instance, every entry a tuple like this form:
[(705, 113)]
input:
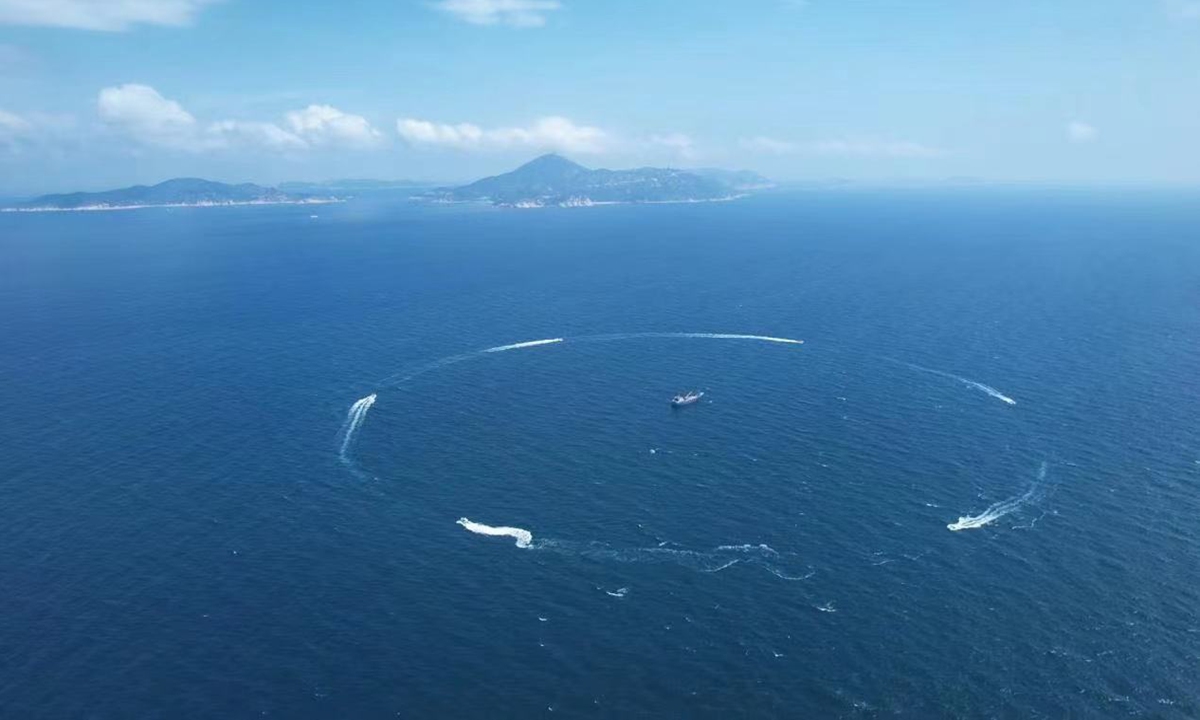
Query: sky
[(97, 94)]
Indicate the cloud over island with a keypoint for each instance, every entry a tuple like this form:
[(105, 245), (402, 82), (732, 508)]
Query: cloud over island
[(101, 15), (145, 116), (515, 13), (546, 133)]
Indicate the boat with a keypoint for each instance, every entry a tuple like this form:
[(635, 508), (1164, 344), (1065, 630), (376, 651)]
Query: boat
[(687, 398)]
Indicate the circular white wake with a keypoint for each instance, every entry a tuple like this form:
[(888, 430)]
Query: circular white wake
[(712, 561)]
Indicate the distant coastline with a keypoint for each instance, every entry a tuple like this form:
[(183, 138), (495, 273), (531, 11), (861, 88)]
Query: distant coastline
[(175, 193), (588, 202), (547, 181), (582, 202), (147, 206), (554, 181)]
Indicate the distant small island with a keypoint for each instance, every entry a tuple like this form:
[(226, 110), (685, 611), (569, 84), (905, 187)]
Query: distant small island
[(180, 192), (553, 180)]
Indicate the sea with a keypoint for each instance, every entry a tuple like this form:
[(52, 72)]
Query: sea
[(383, 459)]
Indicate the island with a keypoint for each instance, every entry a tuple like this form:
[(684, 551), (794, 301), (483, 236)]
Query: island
[(548, 181), (180, 192), (553, 180)]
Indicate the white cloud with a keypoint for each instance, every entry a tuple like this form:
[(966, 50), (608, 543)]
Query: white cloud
[(423, 132), (518, 13), (547, 133), (108, 15), (12, 125), (140, 111), (21, 132), (1080, 132), (145, 116), (679, 143), (844, 147), (14, 130), (226, 133), (323, 124)]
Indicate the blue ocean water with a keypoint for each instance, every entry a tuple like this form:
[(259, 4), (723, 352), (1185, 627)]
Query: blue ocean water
[(183, 537)]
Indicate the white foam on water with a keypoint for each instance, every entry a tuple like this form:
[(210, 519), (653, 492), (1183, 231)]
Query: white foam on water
[(354, 420), (991, 515), (1002, 508), (620, 593), (719, 568), (706, 561), (991, 391), (761, 548), (523, 537), (715, 560), (403, 377), (686, 335), (791, 578), (966, 381), (520, 345), (735, 336), (827, 607)]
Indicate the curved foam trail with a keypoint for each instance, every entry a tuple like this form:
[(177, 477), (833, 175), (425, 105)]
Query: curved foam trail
[(520, 345), (968, 382), (354, 420), (523, 537), (694, 335), (991, 391), (710, 561), (402, 377), (733, 336), (1000, 509)]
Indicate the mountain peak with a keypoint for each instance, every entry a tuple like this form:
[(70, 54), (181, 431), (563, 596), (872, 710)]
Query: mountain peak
[(551, 164), (554, 180)]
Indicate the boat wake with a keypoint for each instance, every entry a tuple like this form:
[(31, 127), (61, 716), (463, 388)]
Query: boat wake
[(785, 567), (1004, 507), (523, 537), (520, 345), (403, 377), (354, 420), (991, 391), (690, 335), (966, 381), (731, 336), (782, 566)]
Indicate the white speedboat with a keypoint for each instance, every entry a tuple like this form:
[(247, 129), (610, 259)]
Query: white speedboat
[(687, 398)]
